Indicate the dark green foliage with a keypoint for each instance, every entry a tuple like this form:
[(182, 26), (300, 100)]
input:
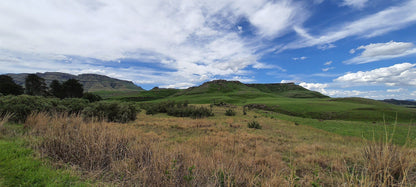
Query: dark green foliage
[(72, 105), (254, 125), (92, 97), (72, 88), (9, 87), (23, 105), (35, 85), (112, 111), (177, 109), (56, 89), (230, 112)]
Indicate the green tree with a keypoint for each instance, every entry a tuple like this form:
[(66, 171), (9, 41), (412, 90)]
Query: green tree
[(35, 85), (9, 87), (57, 89), (73, 88)]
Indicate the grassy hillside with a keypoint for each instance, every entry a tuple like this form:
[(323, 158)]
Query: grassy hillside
[(275, 97), (288, 90)]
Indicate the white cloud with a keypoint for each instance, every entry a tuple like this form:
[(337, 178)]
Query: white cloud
[(327, 69), (328, 63), (354, 3), (397, 75), (398, 90), (319, 87), (390, 19), (300, 58), (191, 38), (382, 51)]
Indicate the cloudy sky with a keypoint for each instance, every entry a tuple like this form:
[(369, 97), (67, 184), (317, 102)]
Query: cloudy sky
[(341, 48)]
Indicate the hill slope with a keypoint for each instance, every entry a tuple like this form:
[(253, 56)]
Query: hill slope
[(91, 82)]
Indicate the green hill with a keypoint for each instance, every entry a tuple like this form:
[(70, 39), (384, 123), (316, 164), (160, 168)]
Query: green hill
[(91, 82), (288, 90)]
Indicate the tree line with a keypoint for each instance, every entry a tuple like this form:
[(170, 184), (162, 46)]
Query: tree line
[(35, 85)]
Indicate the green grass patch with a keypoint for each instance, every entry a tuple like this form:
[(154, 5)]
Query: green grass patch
[(400, 133), (19, 167)]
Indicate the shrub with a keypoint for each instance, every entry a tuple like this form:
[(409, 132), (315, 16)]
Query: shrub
[(179, 109), (92, 97), (23, 105), (254, 125), (112, 111), (230, 112)]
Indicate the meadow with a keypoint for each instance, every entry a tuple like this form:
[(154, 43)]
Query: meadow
[(222, 133), (162, 150)]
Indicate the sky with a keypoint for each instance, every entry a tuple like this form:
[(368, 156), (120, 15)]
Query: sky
[(341, 48)]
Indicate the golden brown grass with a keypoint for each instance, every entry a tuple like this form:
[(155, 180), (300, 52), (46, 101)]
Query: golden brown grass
[(219, 151), (3, 120)]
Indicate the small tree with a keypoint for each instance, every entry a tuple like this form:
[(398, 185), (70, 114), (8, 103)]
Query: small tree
[(9, 87), (73, 88), (35, 85)]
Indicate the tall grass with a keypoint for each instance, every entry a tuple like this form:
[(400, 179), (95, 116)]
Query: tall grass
[(166, 151), (3, 120), (125, 155)]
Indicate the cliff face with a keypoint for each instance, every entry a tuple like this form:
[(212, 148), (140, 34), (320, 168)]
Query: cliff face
[(91, 82)]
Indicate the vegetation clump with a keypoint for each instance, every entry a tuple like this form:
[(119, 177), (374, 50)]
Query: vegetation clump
[(254, 125), (230, 112), (23, 105), (178, 109), (112, 111)]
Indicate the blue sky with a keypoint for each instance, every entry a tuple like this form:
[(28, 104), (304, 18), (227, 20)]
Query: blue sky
[(342, 48)]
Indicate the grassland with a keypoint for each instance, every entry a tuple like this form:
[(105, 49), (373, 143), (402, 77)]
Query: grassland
[(304, 140), (160, 150)]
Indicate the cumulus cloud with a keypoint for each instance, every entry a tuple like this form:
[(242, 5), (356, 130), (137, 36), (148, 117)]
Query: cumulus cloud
[(354, 3), (390, 19), (190, 38), (397, 75), (319, 87), (381, 51)]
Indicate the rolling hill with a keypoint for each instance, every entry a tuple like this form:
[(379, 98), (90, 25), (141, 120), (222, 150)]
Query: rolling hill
[(91, 82)]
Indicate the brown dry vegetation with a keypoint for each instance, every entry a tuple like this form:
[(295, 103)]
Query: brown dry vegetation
[(218, 151)]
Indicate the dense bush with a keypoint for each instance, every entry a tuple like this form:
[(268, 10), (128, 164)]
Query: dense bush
[(254, 125), (22, 106), (189, 111), (112, 111), (92, 97), (230, 112), (178, 109)]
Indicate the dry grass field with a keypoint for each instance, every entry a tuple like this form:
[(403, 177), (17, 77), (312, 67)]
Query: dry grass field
[(159, 150)]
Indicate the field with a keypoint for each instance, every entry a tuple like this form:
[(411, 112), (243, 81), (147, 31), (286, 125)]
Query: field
[(222, 133), (221, 150)]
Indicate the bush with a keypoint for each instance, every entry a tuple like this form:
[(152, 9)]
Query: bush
[(230, 112), (254, 125), (177, 109), (92, 97), (23, 105), (112, 111)]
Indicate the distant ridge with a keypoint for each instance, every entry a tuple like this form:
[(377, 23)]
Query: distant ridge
[(91, 82)]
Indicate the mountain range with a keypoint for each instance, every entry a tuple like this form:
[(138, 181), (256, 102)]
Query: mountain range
[(91, 82)]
